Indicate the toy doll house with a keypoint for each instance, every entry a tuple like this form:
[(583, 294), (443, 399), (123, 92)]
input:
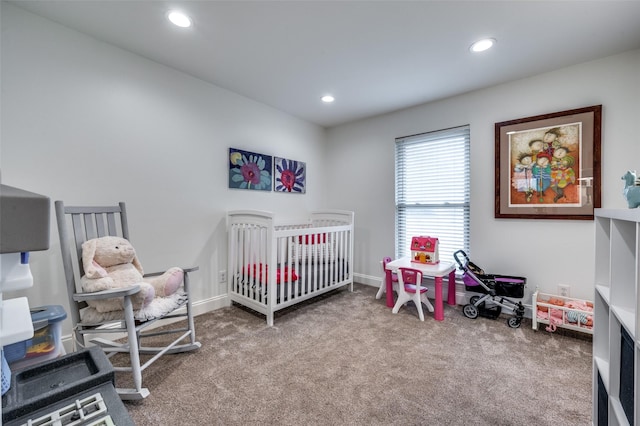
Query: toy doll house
[(424, 249)]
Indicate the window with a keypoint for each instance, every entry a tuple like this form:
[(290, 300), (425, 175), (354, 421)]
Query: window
[(432, 190)]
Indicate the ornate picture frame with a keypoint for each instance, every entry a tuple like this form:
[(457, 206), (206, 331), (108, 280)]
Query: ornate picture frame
[(548, 166)]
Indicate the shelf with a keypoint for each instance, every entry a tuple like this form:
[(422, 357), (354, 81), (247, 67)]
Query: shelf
[(603, 367), (604, 293), (620, 416), (630, 215), (626, 317)]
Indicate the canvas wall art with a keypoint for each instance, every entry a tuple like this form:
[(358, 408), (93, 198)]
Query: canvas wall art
[(249, 170), (290, 176)]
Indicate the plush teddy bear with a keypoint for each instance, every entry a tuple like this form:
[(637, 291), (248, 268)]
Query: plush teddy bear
[(111, 262)]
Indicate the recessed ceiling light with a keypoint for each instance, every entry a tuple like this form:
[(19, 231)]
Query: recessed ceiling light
[(328, 99), (179, 19), (482, 45)]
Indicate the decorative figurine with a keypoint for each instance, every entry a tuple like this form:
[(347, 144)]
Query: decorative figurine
[(631, 189)]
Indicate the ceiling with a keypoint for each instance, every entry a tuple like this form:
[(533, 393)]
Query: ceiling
[(373, 56)]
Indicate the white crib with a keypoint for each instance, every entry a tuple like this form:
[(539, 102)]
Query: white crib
[(303, 260)]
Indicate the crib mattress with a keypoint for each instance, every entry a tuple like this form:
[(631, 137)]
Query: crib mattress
[(312, 277)]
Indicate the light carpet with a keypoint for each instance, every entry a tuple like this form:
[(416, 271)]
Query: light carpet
[(345, 359)]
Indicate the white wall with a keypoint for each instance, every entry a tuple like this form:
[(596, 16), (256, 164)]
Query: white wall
[(547, 252), (88, 123)]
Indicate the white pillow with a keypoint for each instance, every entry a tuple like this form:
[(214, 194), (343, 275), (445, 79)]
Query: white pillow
[(313, 253)]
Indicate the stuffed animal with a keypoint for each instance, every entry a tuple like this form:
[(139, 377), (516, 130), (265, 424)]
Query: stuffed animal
[(111, 262)]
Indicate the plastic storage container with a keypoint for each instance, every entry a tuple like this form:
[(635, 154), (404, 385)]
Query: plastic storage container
[(46, 342)]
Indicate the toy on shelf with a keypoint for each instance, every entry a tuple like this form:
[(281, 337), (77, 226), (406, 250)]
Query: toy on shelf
[(631, 189), (424, 249)]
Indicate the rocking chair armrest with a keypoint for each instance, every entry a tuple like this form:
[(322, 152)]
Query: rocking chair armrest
[(107, 294), (186, 271)]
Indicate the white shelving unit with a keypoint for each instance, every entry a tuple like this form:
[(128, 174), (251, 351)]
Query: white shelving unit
[(616, 359)]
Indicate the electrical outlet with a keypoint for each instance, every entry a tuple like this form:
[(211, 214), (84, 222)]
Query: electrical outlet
[(222, 276), (564, 290)]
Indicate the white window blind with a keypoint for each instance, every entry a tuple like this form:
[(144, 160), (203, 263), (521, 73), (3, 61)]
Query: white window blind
[(433, 190)]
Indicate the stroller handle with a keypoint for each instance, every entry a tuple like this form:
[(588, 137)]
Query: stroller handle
[(457, 255)]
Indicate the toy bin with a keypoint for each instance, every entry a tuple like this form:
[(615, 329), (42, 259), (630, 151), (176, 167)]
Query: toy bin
[(46, 342)]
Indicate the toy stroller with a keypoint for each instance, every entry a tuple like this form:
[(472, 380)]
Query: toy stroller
[(496, 290)]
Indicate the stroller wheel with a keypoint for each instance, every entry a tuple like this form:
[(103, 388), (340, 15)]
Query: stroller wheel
[(470, 311), (514, 322), (474, 299)]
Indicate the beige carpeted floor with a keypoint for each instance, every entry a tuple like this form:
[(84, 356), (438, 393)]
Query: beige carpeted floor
[(347, 360)]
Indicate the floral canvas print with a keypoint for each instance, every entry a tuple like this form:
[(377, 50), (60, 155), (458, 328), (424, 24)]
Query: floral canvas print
[(249, 170), (290, 176)]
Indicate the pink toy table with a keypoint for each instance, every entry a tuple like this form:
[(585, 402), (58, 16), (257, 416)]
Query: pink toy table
[(437, 271)]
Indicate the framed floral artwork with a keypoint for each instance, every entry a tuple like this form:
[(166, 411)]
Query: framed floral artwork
[(548, 166), (290, 176), (249, 170)]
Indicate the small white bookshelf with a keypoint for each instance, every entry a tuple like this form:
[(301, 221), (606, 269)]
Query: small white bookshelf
[(616, 344)]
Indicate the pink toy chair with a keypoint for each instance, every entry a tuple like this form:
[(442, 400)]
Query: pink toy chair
[(410, 289), (394, 279)]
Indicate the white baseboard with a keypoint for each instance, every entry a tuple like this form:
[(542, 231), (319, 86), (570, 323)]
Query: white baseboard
[(373, 281), (221, 301), (462, 297), (211, 304)]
